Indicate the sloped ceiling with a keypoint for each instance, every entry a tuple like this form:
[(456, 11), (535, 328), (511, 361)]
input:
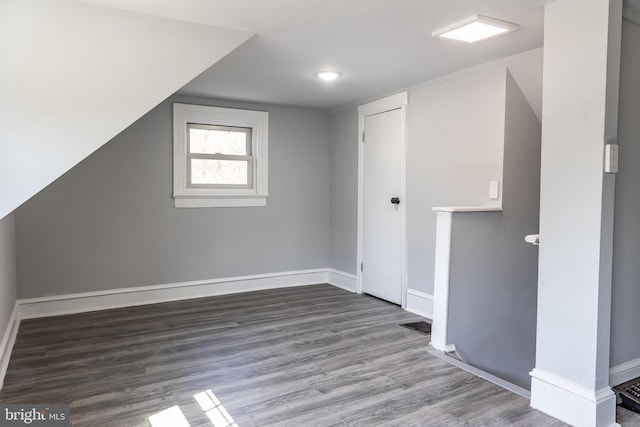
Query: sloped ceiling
[(380, 46), (73, 75)]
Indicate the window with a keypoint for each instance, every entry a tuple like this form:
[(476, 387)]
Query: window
[(220, 156)]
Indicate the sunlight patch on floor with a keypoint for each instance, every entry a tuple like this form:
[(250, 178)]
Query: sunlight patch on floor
[(172, 417), (209, 403), (214, 409)]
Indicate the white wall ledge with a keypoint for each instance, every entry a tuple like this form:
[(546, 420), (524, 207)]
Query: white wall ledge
[(468, 208), (442, 270)]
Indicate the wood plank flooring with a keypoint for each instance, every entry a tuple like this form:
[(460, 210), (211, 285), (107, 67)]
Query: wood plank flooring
[(307, 356)]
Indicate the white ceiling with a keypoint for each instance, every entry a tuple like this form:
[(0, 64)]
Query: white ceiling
[(380, 46), (74, 75)]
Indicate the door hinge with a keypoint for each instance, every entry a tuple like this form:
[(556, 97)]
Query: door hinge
[(362, 266), (362, 136)]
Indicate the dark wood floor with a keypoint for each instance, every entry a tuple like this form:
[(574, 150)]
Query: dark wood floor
[(308, 356)]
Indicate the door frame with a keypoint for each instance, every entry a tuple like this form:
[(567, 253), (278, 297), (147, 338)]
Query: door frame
[(393, 102)]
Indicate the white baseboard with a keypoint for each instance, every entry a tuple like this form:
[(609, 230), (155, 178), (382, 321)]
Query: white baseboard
[(570, 402), (340, 279), (624, 372), (127, 297), (420, 303), (480, 373), (8, 340)]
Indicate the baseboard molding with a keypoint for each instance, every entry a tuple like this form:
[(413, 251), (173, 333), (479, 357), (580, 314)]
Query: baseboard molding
[(624, 372), (480, 373), (420, 303), (8, 340), (570, 402), (127, 297), (340, 279)]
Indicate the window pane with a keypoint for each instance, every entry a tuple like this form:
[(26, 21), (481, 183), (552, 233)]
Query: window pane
[(218, 172), (218, 140)]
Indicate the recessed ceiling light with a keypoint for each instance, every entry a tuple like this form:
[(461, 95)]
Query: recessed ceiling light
[(328, 75), (475, 28)]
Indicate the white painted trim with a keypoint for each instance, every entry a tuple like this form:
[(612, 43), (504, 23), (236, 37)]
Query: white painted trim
[(624, 372), (141, 295), (467, 209), (189, 197), (392, 102), (360, 216), (342, 280), (444, 223), (221, 202), (397, 101), (403, 97), (126, 297), (8, 340), (420, 303), (442, 269), (571, 402)]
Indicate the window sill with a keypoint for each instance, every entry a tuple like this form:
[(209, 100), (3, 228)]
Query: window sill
[(221, 202)]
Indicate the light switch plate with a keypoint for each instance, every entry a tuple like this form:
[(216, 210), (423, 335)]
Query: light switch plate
[(494, 190), (611, 158)]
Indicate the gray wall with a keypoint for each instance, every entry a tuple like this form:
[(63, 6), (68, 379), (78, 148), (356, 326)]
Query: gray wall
[(493, 283), (455, 143), (625, 342), (344, 189), (110, 221), (455, 147), (452, 154), (7, 271)]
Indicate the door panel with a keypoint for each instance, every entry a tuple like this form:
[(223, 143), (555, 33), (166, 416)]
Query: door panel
[(382, 220)]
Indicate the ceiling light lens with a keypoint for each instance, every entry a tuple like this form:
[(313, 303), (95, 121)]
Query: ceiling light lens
[(328, 75), (473, 32), (475, 28)]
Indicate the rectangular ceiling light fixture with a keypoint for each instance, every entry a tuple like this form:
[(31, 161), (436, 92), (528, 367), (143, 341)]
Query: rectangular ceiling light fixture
[(475, 28)]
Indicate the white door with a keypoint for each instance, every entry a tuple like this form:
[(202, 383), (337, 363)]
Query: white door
[(383, 205)]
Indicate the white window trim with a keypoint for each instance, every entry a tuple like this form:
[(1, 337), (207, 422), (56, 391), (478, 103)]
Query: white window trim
[(192, 197)]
